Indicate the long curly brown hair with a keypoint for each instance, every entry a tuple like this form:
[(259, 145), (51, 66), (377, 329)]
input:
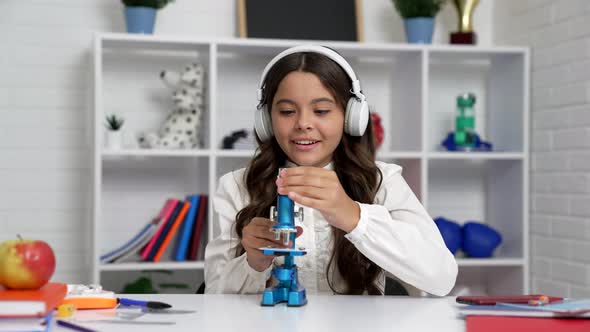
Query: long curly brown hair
[(353, 161)]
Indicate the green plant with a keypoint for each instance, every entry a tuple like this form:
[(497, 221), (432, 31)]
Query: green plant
[(156, 4), (145, 283), (114, 122), (418, 8)]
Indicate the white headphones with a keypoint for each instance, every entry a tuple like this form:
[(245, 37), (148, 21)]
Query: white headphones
[(356, 116)]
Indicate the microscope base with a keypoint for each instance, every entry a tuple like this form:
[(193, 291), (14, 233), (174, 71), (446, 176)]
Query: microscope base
[(294, 298)]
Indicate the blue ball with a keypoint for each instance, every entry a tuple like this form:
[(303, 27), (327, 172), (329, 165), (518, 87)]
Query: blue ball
[(451, 233), (480, 240)]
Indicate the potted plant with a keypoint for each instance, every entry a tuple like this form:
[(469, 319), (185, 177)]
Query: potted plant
[(140, 15), (418, 18), (114, 135)]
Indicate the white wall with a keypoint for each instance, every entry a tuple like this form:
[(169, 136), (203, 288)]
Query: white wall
[(558, 33), (45, 117)]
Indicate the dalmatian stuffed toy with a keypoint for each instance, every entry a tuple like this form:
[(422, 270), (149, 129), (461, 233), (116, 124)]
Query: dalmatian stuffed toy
[(182, 128)]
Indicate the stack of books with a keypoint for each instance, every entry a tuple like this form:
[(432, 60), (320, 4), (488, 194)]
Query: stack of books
[(556, 314), (30, 310), (176, 231)]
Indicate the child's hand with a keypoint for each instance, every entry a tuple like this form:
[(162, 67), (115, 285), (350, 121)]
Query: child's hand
[(320, 189), (257, 234)]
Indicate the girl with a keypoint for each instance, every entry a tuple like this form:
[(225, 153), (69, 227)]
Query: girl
[(361, 219)]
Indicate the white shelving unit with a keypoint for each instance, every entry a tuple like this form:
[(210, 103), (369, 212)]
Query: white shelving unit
[(412, 87)]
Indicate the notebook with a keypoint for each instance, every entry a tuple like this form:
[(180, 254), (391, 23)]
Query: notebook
[(31, 303), (525, 324)]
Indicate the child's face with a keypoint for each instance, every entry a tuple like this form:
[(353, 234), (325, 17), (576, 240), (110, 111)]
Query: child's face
[(307, 121)]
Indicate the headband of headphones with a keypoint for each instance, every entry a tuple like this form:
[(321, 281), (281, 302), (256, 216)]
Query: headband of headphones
[(356, 86)]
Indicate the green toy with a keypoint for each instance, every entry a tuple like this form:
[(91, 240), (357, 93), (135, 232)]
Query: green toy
[(465, 121)]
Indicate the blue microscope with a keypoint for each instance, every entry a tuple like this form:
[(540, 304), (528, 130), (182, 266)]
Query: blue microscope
[(288, 288)]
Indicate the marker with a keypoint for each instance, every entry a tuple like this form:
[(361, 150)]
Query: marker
[(144, 304)]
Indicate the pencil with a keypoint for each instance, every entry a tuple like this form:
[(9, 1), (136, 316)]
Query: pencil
[(73, 326)]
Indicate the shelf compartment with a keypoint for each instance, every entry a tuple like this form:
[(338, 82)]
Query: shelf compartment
[(498, 81), (490, 280), (134, 191), (145, 106), (164, 280), (392, 83), (487, 191)]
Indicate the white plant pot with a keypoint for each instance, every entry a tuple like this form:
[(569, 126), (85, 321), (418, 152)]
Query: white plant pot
[(114, 139)]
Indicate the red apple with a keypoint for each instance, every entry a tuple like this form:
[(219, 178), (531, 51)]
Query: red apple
[(25, 264)]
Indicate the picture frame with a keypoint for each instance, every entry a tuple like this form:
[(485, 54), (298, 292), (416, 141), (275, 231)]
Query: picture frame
[(334, 20)]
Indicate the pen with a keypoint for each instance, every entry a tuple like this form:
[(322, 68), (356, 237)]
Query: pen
[(48, 320), (73, 326), (145, 304)]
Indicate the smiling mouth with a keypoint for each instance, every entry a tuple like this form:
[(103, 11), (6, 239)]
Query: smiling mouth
[(305, 142)]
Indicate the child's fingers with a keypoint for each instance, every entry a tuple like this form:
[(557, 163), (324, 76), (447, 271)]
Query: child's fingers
[(263, 231), (260, 221), (256, 243), (301, 180), (305, 170), (299, 231), (311, 192), (306, 201)]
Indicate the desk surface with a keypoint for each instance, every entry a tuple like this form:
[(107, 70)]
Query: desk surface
[(322, 313)]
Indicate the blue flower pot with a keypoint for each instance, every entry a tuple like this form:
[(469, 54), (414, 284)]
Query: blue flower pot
[(419, 30), (140, 19)]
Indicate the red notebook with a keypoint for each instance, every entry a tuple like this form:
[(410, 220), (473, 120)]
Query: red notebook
[(491, 300), (193, 251), (31, 303), (525, 324)]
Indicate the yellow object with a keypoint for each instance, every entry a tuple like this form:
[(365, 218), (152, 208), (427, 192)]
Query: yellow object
[(65, 310)]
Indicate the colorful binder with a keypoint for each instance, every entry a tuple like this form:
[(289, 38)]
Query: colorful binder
[(187, 229), (163, 218)]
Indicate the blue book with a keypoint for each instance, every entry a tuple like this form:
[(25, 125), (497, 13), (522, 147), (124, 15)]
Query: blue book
[(187, 229)]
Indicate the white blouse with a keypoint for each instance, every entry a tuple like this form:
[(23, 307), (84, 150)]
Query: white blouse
[(395, 232)]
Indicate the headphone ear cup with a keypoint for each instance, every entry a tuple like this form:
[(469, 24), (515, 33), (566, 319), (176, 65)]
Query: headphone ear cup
[(263, 124), (356, 117)]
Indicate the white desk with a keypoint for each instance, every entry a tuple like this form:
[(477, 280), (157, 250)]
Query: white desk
[(323, 313)]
